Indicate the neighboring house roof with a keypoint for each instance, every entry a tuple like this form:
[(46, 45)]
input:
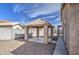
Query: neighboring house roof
[(5, 23), (38, 22), (15, 25)]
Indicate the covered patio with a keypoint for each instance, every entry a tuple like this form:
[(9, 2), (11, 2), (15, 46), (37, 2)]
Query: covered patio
[(39, 23)]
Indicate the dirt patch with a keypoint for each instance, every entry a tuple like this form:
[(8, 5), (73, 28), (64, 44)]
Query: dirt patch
[(9, 45)]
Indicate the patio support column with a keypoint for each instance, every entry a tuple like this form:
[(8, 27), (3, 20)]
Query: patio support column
[(38, 32), (51, 31), (26, 33), (58, 31), (46, 34)]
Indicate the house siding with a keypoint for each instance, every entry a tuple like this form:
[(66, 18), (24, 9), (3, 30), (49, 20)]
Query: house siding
[(17, 33)]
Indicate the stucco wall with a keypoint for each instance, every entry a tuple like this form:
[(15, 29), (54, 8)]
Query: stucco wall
[(74, 29), (66, 25), (71, 27), (5, 33)]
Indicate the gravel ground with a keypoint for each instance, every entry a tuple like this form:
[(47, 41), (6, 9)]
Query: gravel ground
[(32, 48), (14, 47)]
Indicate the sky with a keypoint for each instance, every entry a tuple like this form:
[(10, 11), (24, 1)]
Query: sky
[(24, 13)]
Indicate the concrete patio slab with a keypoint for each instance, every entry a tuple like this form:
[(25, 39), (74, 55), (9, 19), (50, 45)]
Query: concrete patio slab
[(38, 39)]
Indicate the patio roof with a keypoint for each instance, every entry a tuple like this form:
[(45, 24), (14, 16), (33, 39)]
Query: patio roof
[(38, 23)]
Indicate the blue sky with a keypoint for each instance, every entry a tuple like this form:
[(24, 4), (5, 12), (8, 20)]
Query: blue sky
[(24, 13)]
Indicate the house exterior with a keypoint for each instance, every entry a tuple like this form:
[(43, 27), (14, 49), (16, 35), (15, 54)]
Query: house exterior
[(18, 31), (70, 21), (39, 28), (7, 31)]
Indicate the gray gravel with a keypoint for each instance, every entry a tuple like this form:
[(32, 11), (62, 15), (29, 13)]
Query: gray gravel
[(32, 48), (15, 47)]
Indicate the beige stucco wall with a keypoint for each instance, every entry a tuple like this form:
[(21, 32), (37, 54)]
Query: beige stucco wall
[(5, 33), (66, 25), (70, 16), (74, 29)]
